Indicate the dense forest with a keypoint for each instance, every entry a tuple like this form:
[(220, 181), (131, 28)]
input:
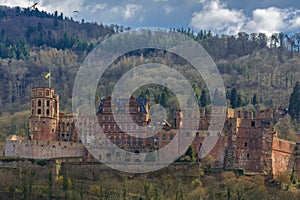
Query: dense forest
[(258, 70)]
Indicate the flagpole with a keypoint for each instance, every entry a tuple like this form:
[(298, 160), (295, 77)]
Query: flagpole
[(50, 79)]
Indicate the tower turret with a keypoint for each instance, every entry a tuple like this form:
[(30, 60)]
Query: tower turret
[(44, 117)]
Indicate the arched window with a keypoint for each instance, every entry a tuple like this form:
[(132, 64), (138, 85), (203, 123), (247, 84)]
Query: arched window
[(39, 103)]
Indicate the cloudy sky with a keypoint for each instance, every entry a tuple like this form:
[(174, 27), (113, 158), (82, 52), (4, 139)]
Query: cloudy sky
[(220, 16)]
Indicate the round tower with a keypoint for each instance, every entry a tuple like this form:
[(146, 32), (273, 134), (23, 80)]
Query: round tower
[(43, 121)]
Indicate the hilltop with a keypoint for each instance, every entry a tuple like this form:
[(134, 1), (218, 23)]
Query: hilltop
[(32, 42)]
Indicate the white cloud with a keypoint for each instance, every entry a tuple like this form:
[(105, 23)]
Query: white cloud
[(66, 6), (271, 20), (217, 17), (95, 8), (14, 3), (159, 1), (128, 12), (168, 9)]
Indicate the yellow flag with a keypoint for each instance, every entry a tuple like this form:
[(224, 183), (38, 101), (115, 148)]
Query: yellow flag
[(48, 75)]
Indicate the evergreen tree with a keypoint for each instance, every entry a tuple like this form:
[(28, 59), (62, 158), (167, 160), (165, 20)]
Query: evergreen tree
[(294, 104), (254, 99), (55, 22), (203, 98), (239, 100), (233, 97)]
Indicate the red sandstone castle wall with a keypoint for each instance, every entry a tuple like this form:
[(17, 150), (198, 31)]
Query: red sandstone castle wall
[(43, 149), (214, 149), (282, 156)]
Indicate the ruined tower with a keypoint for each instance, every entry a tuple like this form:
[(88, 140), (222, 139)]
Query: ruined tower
[(44, 117)]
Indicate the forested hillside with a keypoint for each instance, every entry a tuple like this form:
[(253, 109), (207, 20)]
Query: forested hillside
[(257, 69)]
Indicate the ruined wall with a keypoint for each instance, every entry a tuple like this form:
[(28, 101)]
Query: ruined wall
[(282, 156), (43, 149), (249, 144), (297, 160)]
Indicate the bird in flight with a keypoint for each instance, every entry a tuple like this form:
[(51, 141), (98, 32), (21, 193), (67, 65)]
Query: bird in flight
[(33, 6)]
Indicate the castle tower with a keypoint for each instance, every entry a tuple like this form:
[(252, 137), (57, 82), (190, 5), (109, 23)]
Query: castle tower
[(44, 118), (178, 119)]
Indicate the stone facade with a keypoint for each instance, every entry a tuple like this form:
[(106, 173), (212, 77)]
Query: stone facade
[(41, 149), (246, 141), (44, 118)]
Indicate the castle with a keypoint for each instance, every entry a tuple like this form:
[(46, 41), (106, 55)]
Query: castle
[(246, 141)]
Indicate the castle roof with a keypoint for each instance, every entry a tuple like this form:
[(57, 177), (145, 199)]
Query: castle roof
[(121, 103)]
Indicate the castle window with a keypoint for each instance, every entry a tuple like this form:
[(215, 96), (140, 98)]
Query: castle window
[(47, 92), (128, 127), (171, 137), (134, 140), (197, 134), (163, 137), (111, 127), (48, 103), (133, 127), (108, 155), (106, 128), (39, 111), (207, 134), (32, 103), (48, 112), (248, 155), (253, 124), (246, 144), (140, 141), (218, 134), (39, 103), (32, 112)]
